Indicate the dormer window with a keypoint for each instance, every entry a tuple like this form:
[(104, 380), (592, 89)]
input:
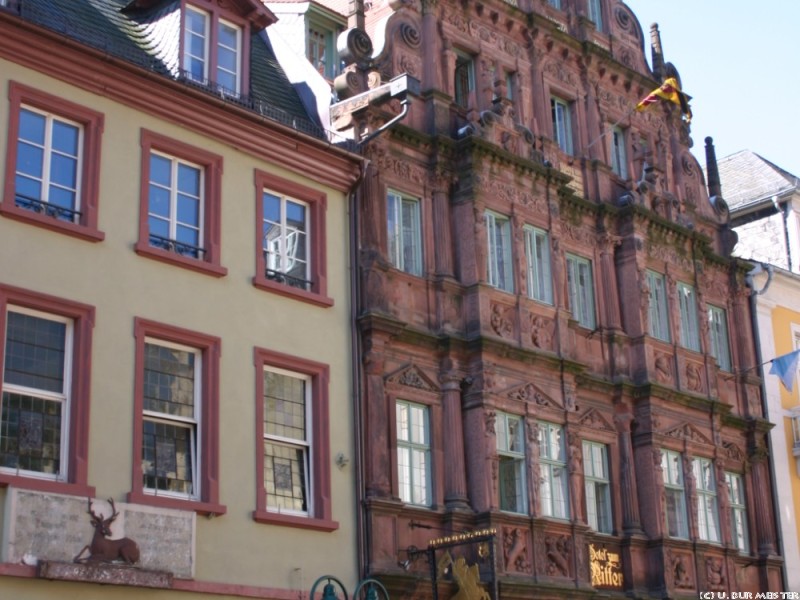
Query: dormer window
[(212, 50), (321, 33)]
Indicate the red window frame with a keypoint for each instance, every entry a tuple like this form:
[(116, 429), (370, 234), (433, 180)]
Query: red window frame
[(208, 449), (320, 469), (317, 204), (82, 317), (212, 204), (20, 95)]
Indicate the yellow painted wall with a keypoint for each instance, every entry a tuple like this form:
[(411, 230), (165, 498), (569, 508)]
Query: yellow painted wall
[(122, 285)]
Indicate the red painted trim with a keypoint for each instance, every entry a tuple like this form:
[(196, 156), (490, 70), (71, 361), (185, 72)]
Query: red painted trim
[(15, 570), (82, 316), (208, 452), (318, 203), (193, 109), (93, 123), (320, 474), (212, 204)]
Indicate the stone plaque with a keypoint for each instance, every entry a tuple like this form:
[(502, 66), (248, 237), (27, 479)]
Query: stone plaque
[(54, 527)]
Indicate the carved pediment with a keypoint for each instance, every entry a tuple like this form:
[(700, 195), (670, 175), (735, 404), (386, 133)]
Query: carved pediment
[(530, 393), (594, 420), (733, 451), (687, 432), (412, 376)]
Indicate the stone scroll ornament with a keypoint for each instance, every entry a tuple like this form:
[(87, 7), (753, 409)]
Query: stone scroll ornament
[(103, 549)]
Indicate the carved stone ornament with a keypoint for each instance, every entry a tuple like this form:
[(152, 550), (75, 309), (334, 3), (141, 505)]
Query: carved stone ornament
[(733, 451), (500, 320), (412, 376), (515, 549), (694, 379), (715, 577), (663, 368), (687, 432), (680, 566), (592, 419), (530, 393), (541, 336), (558, 555)]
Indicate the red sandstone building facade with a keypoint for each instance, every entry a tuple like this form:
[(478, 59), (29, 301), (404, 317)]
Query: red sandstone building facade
[(556, 343)]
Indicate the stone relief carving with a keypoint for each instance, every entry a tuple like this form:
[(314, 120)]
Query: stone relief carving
[(501, 320), (679, 570), (541, 336), (515, 549), (715, 578), (663, 365), (489, 418), (397, 166), (412, 376), (592, 419), (694, 379), (530, 393), (733, 451), (558, 553), (688, 432)]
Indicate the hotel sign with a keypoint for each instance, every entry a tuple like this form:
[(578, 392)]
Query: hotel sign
[(606, 567)]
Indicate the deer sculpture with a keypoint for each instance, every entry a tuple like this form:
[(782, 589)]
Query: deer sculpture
[(103, 549)]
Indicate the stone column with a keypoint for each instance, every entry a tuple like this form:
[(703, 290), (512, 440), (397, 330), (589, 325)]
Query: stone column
[(762, 507), (377, 457), (455, 476), (608, 272), (631, 522), (442, 244)]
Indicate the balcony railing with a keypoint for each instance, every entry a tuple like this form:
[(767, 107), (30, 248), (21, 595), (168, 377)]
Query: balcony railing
[(181, 248), (61, 213)]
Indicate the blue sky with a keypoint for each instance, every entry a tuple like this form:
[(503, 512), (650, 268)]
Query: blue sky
[(739, 62)]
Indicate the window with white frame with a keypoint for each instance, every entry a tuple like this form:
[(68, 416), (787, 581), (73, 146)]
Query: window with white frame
[(537, 255), (511, 458), (321, 46), (597, 486), (212, 50), (413, 453), (595, 13), (619, 156), (464, 82), (405, 240), (171, 418), (674, 494), (581, 290), (739, 529), (658, 310), (49, 167), (34, 432), (562, 124), (287, 435), (285, 238), (498, 233), (707, 510), (176, 205), (718, 334), (690, 334), (554, 478)]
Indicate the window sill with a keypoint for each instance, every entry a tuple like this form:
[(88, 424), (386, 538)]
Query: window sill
[(271, 518), (46, 485), (193, 264), (72, 229), (288, 291), (202, 508)]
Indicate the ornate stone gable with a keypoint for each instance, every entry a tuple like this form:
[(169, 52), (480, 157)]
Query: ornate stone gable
[(733, 452), (593, 419), (531, 394), (412, 376), (689, 433)]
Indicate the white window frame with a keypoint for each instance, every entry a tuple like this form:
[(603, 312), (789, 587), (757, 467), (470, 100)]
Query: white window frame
[(707, 507), (537, 257), (690, 333), (206, 36), (658, 310), (597, 485), (595, 13), (510, 444), (326, 32), (461, 94), (414, 444), (553, 473), (405, 254), (739, 527), (674, 489), (619, 153), (580, 283), (63, 397), (561, 111), (194, 424), (288, 442), (719, 342), (237, 51), (287, 245), (500, 269), (174, 193), (48, 153)]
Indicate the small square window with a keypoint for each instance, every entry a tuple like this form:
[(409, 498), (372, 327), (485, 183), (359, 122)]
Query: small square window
[(212, 50)]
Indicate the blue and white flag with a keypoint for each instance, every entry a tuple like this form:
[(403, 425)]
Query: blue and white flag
[(785, 367)]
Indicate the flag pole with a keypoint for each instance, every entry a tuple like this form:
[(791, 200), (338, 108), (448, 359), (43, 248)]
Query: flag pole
[(610, 129)]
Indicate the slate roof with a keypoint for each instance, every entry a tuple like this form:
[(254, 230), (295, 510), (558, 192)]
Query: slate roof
[(150, 39), (748, 179)]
